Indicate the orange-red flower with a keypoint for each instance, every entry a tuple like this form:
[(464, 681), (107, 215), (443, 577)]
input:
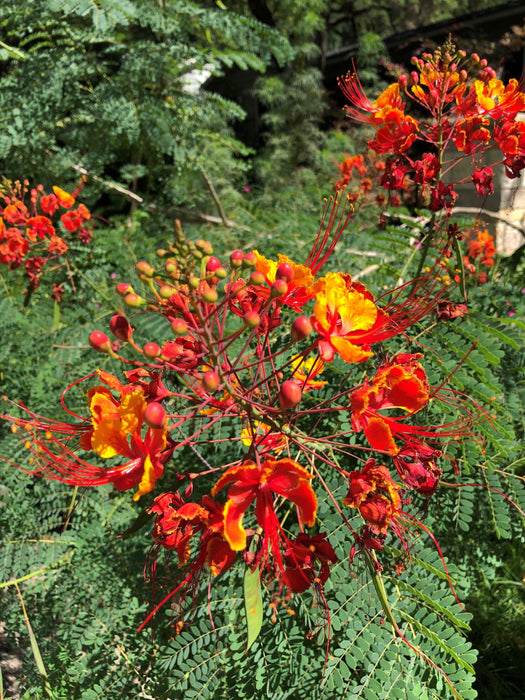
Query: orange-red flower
[(345, 317), (301, 286), (115, 429), (399, 384), (396, 133), (307, 562), (260, 483), (177, 522), (373, 491)]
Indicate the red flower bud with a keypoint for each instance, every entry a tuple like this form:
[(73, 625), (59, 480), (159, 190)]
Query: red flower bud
[(213, 264), (134, 301), (257, 278), (99, 341), (120, 328), (155, 416), (151, 351), (278, 289), (402, 81), (124, 288), (250, 260), (284, 272), (144, 270), (179, 327), (251, 319), (301, 328), (236, 258), (210, 381), (290, 394)]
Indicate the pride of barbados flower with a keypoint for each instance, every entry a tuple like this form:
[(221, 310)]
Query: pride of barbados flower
[(115, 428), (260, 483)]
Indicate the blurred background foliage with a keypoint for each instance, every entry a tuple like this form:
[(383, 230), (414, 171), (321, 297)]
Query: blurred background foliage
[(217, 113)]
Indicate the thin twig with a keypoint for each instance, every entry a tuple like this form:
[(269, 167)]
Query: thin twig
[(140, 200)]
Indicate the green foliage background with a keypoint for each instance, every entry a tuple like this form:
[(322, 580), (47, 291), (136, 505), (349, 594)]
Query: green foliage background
[(100, 85)]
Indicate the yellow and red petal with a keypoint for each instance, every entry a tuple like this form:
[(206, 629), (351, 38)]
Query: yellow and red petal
[(379, 435), (110, 380), (348, 351), (64, 198), (234, 531), (147, 482), (131, 410), (233, 474)]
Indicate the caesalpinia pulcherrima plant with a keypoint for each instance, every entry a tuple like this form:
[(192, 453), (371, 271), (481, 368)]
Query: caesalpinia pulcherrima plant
[(247, 357)]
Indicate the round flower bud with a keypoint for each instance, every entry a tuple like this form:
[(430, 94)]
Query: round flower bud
[(250, 260), (99, 341), (301, 328), (278, 289), (257, 278), (210, 381), (210, 296), (179, 327), (194, 282), (155, 415), (290, 394), (170, 266), (402, 82), (124, 288), (166, 291), (213, 264), (251, 319), (144, 270), (119, 326), (151, 351), (134, 300), (236, 258), (221, 273), (284, 272)]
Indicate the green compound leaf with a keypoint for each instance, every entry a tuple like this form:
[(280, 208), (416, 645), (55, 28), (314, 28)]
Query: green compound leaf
[(253, 605)]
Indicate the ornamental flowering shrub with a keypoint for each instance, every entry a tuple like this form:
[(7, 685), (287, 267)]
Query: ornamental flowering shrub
[(268, 354), (34, 233)]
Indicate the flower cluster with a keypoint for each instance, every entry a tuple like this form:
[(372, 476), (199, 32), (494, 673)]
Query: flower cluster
[(247, 352), (30, 234), (454, 100), (304, 373)]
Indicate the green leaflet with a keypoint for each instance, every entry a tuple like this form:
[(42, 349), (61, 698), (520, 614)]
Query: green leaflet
[(253, 605)]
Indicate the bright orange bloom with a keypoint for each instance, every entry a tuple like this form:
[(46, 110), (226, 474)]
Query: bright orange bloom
[(494, 99), (361, 109), (301, 288), (400, 384), (396, 133), (469, 132), (344, 315), (64, 198), (260, 483), (115, 429), (305, 371), (177, 522)]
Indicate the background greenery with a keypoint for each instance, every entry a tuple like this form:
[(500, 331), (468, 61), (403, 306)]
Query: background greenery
[(101, 86)]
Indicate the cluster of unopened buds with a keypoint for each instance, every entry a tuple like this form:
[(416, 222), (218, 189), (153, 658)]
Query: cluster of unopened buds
[(34, 233), (281, 363)]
